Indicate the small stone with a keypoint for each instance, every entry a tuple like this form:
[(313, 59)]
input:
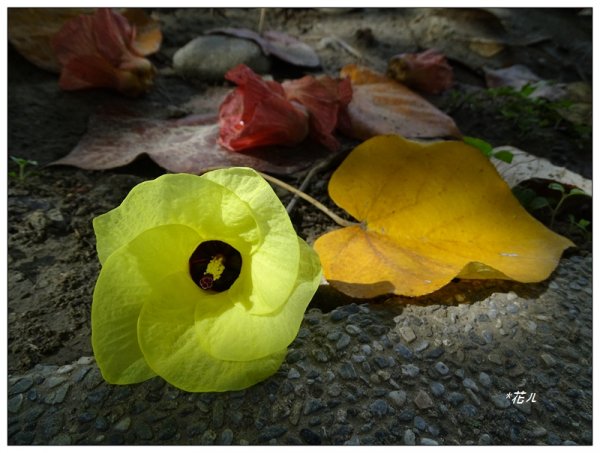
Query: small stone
[(398, 397), (379, 408), (293, 373), (310, 437), (409, 437), (512, 308), (494, 357), (420, 423), (407, 333), (271, 432), (123, 424), (338, 315), (485, 380), (548, 359), (539, 431), (487, 336), (455, 398), (61, 439), (441, 368), (553, 439), (343, 342), (500, 401), (320, 355), (423, 400), (50, 425), (468, 410), (410, 370), (406, 415), (435, 353), (485, 439), (427, 441), (58, 396), (210, 57), (14, 404), (313, 405), (226, 437), (404, 351), (65, 369), (437, 389), (54, 381), (85, 360), (347, 371), (470, 384), (353, 330), (21, 386), (421, 345)]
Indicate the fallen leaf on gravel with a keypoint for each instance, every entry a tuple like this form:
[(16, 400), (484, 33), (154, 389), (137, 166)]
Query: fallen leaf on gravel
[(278, 44), (100, 51), (429, 213), (30, 30), (526, 166), (428, 72), (186, 145), (382, 106)]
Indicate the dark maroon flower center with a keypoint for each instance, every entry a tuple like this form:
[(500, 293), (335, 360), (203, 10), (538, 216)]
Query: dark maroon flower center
[(215, 266)]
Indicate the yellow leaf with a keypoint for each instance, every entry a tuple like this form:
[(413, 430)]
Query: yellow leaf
[(381, 105), (429, 213)]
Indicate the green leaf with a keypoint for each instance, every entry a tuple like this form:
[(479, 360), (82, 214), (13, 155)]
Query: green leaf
[(576, 191), (480, 144), (556, 186), (505, 156), (538, 203)]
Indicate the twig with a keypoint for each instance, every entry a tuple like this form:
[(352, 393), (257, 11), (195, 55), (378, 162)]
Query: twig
[(261, 20), (317, 204)]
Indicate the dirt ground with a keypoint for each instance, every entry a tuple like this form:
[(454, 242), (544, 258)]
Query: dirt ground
[(52, 264)]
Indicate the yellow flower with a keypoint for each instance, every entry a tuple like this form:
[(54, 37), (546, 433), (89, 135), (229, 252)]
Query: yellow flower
[(204, 282)]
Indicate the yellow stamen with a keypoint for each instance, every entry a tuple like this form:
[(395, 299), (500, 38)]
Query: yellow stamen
[(215, 267)]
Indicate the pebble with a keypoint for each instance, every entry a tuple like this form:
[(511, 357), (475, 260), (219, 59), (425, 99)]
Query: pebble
[(423, 400), (470, 384), (21, 386), (468, 410), (310, 437), (271, 432), (485, 380), (455, 398), (347, 371), (404, 351), (485, 439), (379, 408), (420, 423), (428, 441), (421, 345), (410, 370), (398, 397), (548, 359), (293, 373), (409, 437), (343, 342), (407, 333), (208, 58), (500, 401), (123, 424), (437, 389), (441, 368), (14, 404)]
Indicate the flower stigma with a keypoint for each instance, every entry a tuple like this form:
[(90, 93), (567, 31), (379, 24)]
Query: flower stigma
[(215, 266)]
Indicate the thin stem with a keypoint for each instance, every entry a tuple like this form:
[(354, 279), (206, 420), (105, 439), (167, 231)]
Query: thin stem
[(317, 204)]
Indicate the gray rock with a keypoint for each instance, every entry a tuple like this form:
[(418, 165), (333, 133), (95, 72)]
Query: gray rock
[(379, 408), (549, 361), (423, 400), (427, 441), (21, 386), (485, 439), (14, 404), (500, 401), (437, 389), (409, 437), (441, 368), (343, 342), (398, 397), (123, 424), (407, 333), (470, 384), (410, 370), (485, 380), (210, 57)]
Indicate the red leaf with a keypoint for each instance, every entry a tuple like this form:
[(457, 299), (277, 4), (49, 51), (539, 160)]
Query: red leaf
[(326, 100), (257, 114)]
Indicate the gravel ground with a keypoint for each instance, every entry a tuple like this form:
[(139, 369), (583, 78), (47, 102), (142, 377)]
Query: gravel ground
[(395, 372)]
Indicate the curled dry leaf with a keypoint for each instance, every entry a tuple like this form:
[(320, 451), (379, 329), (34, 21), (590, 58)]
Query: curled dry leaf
[(427, 72), (382, 106), (116, 136), (100, 51), (281, 45), (429, 213), (526, 166)]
